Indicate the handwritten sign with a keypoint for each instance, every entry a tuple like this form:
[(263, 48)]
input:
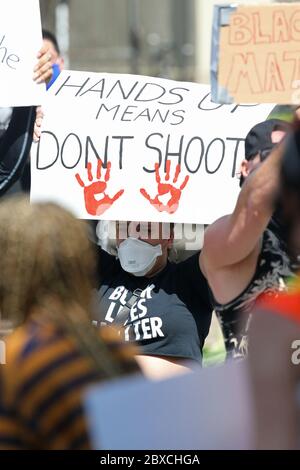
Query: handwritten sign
[(125, 147), (256, 54), (20, 41)]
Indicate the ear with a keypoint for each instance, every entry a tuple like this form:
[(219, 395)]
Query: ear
[(61, 63), (245, 168)]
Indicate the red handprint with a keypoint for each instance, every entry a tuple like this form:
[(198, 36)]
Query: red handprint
[(93, 206), (165, 188)]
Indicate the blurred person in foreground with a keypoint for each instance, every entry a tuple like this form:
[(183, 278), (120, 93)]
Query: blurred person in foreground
[(17, 128), (274, 343), (47, 266)]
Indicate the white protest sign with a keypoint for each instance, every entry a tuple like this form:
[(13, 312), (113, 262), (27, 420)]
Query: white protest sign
[(20, 41), (208, 409), (167, 152)]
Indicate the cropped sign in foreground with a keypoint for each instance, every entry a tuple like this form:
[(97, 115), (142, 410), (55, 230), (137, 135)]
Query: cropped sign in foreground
[(125, 147), (20, 41), (208, 409), (256, 54)]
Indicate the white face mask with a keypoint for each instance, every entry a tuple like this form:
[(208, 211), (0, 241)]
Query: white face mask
[(138, 257)]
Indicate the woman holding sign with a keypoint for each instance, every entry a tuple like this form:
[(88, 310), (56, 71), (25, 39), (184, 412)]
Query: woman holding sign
[(16, 141), (162, 307)]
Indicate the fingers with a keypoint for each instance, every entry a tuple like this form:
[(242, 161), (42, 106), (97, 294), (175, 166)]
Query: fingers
[(44, 57), (168, 166), (37, 131), (46, 73), (43, 50), (117, 196), (168, 169), (89, 171), (99, 168), (43, 69), (157, 175), (77, 176), (38, 124), (107, 174), (39, 112), (177, 173), (185, 182), (145, 194)]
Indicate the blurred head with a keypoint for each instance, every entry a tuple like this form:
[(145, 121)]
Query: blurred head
[(289, 199), (260, 142), (57, 61), (45, 255), (143, 246), (51, 43)]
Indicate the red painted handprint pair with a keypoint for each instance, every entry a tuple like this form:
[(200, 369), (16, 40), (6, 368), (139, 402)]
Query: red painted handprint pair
[(97, 188)]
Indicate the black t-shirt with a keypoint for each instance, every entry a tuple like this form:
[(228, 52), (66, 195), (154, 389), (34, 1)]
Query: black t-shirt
[(172, 315)]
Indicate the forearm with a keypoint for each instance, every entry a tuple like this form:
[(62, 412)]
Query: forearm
[(235, 237), (15, 146), (261, 187), (255, 206)]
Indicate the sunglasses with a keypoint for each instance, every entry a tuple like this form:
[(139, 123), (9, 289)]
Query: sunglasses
[(263, 154)]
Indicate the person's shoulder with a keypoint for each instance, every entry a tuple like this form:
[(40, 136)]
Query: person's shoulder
[(191, 278), (13, 347), (190, 265), (107, 265), (14, 344)]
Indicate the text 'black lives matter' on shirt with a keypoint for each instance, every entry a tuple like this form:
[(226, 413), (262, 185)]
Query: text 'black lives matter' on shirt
[(171, 316)]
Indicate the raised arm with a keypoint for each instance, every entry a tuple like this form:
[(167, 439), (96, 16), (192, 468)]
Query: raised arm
[(234, 237)]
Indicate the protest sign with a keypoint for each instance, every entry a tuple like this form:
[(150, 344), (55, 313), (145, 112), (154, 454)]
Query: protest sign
[(256, 54), (125, 147), (209, 408), (20, 41)]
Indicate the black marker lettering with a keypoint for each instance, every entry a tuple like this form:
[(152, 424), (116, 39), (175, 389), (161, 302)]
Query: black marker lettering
[(156, 149)]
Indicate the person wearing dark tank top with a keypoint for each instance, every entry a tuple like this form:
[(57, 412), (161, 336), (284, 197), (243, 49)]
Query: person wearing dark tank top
[(244, 254)]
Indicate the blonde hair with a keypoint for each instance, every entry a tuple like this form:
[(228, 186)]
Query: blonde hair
[(47, 263)]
